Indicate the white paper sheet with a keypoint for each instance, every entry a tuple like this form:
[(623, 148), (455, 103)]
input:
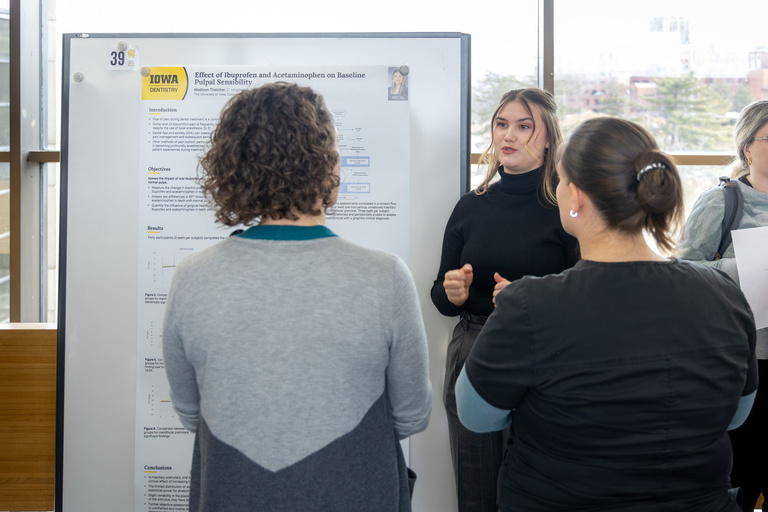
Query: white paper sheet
[(751, 246)]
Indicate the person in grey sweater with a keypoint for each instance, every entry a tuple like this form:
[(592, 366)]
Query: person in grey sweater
[(701, 237), (297, 357)]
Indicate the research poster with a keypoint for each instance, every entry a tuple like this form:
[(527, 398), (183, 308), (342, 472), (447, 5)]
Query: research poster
[(180, 106)]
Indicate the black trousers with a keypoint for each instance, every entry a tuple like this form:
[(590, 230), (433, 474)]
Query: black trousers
[(476, 457), (750, 447)]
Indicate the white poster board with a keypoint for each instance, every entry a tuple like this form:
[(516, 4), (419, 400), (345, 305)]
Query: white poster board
[(137, 111)]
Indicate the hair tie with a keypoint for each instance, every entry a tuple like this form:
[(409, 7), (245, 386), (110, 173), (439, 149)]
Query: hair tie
[(650, 167)]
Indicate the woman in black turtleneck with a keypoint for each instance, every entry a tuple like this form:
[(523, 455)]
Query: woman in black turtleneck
[(498, 233)]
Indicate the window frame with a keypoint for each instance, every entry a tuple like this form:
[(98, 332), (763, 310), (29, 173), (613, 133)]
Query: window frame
[(27, 158)]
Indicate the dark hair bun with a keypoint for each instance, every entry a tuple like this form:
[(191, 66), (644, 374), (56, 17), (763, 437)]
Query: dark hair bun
[(632, 184), (657, 191)]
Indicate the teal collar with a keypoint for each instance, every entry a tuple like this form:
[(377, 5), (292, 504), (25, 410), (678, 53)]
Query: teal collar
[(279, 232)]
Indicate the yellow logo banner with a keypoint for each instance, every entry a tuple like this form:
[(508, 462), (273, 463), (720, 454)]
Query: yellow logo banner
[(164, 84)]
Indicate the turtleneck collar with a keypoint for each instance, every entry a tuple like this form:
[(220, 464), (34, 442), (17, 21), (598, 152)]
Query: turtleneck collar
[(519, 184)]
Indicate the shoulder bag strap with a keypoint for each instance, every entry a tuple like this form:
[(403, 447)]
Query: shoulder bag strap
[(734, 203)]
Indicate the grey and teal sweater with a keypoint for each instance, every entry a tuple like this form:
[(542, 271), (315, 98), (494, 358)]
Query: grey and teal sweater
[(703, 228), (300, 359)]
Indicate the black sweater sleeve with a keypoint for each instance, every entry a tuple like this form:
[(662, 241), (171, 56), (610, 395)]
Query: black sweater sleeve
[(510, 229), (453, 244)]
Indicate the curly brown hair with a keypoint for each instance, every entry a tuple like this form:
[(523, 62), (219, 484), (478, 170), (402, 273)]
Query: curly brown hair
[(273, 154)]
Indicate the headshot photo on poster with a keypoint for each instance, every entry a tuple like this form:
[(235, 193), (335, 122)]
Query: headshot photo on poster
[(398, 84)]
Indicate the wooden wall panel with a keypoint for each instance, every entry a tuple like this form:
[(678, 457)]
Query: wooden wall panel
[(27, 416)]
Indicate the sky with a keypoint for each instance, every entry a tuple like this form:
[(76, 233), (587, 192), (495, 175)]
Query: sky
[(619, 34)]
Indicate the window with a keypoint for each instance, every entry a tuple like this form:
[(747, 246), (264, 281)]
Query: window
[(681, 71)]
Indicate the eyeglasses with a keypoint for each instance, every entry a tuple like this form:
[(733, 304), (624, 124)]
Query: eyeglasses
[(761, 138)]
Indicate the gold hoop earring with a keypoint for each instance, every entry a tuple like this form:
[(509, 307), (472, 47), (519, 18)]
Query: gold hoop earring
[(749, 160)]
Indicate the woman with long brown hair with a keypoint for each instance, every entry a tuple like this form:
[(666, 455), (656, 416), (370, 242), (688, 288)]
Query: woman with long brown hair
[(503, 230)]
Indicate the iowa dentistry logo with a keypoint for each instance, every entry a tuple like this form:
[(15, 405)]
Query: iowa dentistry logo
[(164, 84)]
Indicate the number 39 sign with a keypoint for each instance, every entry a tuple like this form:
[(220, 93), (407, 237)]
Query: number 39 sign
[(122, 57)]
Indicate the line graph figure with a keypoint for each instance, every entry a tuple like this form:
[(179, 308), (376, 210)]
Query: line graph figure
[(160, 405), (161, 266)]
